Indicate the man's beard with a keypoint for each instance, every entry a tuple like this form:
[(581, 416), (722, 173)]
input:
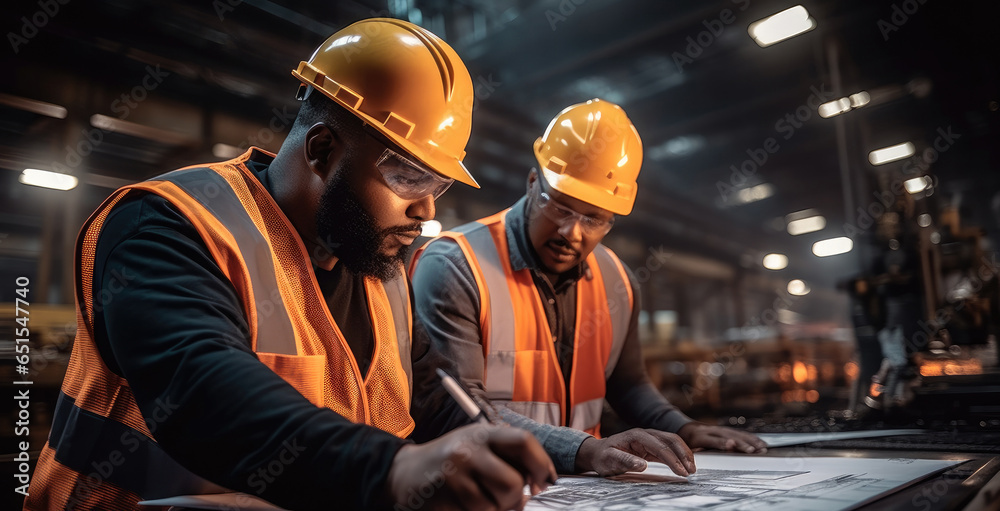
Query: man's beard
[(351, 234)]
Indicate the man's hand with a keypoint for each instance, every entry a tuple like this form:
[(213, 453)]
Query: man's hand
[(628, 452), (473, 467), (702, 436)]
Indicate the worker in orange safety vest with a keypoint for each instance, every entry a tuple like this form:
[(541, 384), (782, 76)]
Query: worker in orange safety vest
[(246, 325), (538, 317)]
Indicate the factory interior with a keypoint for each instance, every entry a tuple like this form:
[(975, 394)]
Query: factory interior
[(795, 194)]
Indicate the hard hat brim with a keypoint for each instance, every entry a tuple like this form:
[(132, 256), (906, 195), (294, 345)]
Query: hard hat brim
[(446, 166), (442, 164), (586, 192)]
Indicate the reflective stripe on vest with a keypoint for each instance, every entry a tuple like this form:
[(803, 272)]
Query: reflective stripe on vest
[(213, 193), (620, 301), (522, 371), (498, 336), (291, 331)]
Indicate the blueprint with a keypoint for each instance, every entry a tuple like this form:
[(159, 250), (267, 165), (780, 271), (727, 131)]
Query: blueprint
[(738, 482), (218, 501), (722, 483)]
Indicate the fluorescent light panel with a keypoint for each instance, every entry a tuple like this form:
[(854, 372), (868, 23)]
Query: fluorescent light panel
[(754, 193), (806, 225), (48, 179), (835, 107), (860, 99), (917, 184), (775, 261), (797, 288), (891, 153), (783, 25), (833, 246), (839, 106)]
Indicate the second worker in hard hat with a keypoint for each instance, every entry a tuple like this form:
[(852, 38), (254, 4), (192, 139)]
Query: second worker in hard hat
[(536, 315)]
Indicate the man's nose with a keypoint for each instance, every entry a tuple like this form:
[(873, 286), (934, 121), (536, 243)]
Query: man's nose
[(571, 229), (422, 209)]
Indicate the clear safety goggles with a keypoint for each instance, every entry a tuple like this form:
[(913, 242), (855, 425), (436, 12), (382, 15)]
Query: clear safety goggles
[(408, 179), (562, 215)]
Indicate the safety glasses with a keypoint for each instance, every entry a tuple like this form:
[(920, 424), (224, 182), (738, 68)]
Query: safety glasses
[(562, 215), (408, 179)]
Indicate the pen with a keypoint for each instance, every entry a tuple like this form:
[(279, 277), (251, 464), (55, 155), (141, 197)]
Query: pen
[(462, 398)]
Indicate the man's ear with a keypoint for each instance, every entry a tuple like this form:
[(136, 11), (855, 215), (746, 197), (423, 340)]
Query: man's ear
[(324, 147), (532, 176)]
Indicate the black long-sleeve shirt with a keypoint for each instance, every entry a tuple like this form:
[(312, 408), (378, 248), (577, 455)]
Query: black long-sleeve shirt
[(170, 322), (446, 304)]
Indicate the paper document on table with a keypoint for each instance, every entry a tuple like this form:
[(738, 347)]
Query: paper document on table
[(229, 501), (786, 439), (740, 482)]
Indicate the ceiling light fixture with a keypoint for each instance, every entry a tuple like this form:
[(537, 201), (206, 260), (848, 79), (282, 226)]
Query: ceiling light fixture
[(917, 184), (833, 246), (48, 179), (775, 261), (783, 25), (806, 225), (891, 153), (797, 288)]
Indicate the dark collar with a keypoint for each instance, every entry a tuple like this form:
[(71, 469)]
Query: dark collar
[(258, 163)]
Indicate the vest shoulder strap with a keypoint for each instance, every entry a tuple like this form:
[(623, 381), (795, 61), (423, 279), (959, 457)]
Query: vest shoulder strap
[(618, 290), (397, 291), (206, 191)]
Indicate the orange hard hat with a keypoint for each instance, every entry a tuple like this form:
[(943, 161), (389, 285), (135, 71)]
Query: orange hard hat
[(404, 81), (592, 152)]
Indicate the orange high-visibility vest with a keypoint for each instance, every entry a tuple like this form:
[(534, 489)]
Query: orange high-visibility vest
[(522, 370), (100, 453)]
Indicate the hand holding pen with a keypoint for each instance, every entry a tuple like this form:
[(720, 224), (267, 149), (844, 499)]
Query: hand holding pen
[(468, 403)]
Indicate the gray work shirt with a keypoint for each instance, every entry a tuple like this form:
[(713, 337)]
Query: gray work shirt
[(447, 335)]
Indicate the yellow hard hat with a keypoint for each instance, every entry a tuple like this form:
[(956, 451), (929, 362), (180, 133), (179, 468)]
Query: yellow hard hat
[(592, 152), (403, 80)]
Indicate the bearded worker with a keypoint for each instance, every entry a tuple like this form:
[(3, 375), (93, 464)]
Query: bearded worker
[(246, 325)]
